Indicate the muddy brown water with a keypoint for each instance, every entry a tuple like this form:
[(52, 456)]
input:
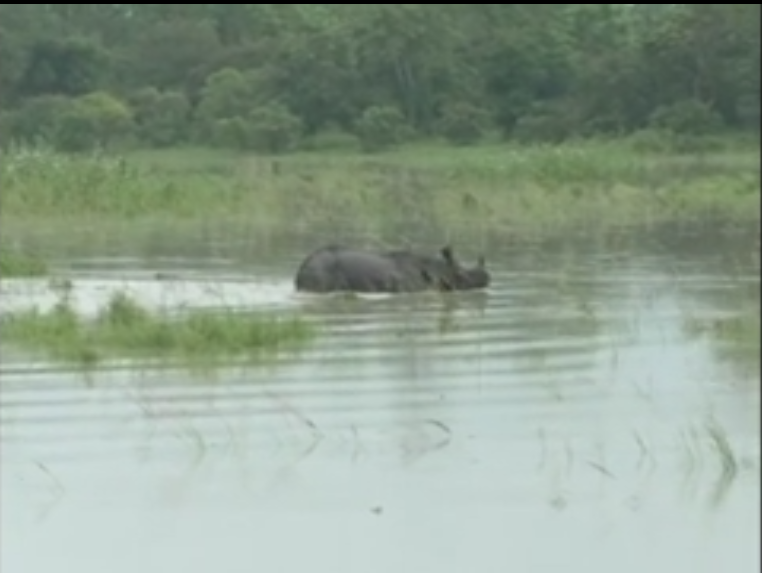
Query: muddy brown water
[(561, 421)]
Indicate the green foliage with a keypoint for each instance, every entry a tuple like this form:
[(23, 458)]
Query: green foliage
[(228, 97), (161, 118), (498, 191), (229, 132), (464, 123), (272, 128), (125, 328), (69, 66), (690, 117), (545, 124), (37, 120), (331, 139), (93, 120), (16, 264), (72, 124), (165, 51), (536, 72), (651, 140), (381, 127), (226, 93)]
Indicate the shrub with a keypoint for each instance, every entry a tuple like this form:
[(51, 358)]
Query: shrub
[(272, 128), (381, 127), (689, 117), (464, 123), (94, 120)]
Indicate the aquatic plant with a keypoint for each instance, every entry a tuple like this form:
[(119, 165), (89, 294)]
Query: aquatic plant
[(16, 264), (124, 328)]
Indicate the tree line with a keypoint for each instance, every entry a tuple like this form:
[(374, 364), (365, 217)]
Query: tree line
[(274, 77)]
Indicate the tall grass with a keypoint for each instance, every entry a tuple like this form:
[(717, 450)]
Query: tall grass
[(499, 191), (14, 263), (126, 329)]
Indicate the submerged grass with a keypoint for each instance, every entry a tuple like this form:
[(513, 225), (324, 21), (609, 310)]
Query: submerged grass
[(737, 338), (14, 264), (484, 191), (126, 329)]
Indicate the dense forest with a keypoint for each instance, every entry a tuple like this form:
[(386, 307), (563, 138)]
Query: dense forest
[(271, 77)]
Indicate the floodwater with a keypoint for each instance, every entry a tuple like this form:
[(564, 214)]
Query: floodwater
[(561, 421)]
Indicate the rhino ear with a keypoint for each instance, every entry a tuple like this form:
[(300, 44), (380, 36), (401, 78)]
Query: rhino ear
[(447, 254), (481, 262)]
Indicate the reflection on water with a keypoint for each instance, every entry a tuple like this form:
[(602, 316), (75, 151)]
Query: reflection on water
[(563, 420)]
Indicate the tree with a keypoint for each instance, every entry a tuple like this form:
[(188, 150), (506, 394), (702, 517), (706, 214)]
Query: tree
[(384, 71), (68, 67), (94, 120)]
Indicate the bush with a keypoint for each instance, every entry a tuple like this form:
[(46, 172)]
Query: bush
[(161, 118), (227, 94), (749, 112), (37, 120), (464, 123), (546, 123), (332, 139), (273, 129), (229, 133), (94, 120), (689, 117), (651, 140), (381, 127)]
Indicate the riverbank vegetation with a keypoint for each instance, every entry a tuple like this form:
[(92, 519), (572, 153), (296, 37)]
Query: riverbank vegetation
[(127, 122), (488, 191), (124, 328)]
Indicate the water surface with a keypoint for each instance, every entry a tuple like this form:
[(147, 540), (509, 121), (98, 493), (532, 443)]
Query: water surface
[(564, 420)]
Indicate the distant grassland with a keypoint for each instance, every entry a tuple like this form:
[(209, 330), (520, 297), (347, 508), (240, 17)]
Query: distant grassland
[(496, 191)]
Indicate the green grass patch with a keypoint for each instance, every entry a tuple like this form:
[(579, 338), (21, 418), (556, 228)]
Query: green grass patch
[(499, 191), (15, 264), (126, 329)]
